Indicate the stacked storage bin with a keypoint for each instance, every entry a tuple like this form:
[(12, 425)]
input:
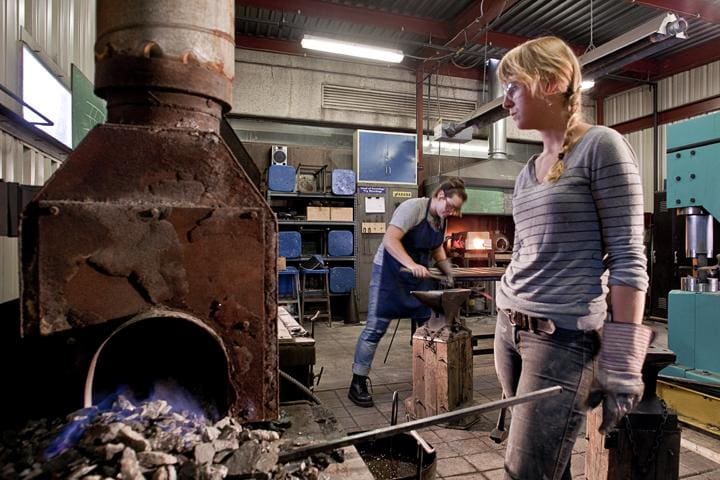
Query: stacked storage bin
[(289, 245), (340, 244)]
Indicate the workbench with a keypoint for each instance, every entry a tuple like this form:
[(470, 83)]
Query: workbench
[(297, 354)]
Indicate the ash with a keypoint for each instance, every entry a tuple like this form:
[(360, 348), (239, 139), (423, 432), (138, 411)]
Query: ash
[(149, 440)]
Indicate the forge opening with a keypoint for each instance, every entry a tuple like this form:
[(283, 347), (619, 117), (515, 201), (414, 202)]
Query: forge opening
[(167, 358)]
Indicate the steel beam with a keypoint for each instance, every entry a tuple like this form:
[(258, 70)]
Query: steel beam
[(363, 16), (701, 9)]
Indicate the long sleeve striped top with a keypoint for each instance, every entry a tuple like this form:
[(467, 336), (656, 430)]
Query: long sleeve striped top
[(576, 237)]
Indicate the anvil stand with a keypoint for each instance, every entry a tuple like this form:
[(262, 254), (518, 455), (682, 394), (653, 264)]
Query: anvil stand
[(646, 444), (442, 357)]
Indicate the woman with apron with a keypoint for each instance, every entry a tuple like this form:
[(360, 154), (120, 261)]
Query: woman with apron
[(416, 231)]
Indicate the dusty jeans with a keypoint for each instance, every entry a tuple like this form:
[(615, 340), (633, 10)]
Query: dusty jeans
[(542, 433), (375, 328)]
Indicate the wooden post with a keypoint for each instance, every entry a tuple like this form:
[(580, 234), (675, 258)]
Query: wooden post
[(442, 371), (650, 450)]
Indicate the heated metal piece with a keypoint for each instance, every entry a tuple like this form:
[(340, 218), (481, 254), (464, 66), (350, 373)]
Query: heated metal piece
[(384, 432), (151, 210)]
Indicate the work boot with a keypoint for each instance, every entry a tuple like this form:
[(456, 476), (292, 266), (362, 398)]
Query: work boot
[(358, 392)]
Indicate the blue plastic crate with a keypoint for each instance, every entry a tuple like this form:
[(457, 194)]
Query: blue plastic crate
[(340, 243), (289, 244), (286, 282), (281, 178), (342, 279), (343, 182)]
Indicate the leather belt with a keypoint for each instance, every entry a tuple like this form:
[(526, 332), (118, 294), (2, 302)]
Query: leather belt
[(522, 321)]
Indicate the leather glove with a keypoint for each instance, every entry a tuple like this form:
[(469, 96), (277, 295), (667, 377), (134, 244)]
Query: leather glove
[(618, 378), (446, 266)]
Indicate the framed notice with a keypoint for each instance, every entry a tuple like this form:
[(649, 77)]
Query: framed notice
[(385, 157)]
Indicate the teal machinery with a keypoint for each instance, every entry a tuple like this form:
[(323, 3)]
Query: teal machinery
[(693, 190)]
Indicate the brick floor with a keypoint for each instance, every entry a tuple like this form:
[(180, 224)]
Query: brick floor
[(461, 454)]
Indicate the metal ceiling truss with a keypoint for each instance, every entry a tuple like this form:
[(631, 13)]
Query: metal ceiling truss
[(470, 27)]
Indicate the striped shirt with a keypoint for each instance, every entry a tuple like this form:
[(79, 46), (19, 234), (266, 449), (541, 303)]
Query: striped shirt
[(577, 236)]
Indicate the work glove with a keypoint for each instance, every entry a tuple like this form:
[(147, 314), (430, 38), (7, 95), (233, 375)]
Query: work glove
[(446, 267), (618, 377)]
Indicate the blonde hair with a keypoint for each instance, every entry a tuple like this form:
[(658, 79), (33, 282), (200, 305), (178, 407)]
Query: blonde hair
[(538, 64)]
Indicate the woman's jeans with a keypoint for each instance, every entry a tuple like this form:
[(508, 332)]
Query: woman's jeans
[(542, 433), (375, 328)]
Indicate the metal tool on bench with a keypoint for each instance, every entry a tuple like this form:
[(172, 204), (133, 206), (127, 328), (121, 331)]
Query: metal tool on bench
[(384, 432)]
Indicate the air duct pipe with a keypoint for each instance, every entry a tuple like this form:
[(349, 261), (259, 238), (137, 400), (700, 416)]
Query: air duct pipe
[(497, 149)]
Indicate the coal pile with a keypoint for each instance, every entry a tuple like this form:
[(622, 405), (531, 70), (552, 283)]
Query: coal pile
[(149, 440)]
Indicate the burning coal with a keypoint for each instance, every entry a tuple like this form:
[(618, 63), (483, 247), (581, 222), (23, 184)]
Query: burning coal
[(148, 440)]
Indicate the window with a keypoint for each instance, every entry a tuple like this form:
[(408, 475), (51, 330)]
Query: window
[(46, 94)]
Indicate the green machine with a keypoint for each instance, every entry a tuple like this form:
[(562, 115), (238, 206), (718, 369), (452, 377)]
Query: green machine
[(693, 189)]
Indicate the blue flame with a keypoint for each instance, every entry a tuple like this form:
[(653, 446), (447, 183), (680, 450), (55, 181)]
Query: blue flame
[(71, 433), (178, 398)]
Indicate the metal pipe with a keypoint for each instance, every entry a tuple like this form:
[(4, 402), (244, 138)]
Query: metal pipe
[(303, 452), (656, 138), (497, 143)]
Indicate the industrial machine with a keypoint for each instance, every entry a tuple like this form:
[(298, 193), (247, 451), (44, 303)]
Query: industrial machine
[(693, 178)]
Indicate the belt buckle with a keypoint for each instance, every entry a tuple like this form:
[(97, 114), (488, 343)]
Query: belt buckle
[(532, 324), (520, 320)]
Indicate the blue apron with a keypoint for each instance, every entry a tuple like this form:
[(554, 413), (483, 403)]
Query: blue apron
[(394, 299)]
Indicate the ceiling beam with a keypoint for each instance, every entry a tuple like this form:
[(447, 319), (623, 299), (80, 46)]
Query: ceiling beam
[(690, 58), (363, 16), (294, 48), (676, 114), (466, 30), (269, 45), (467, 26), (702, 9)]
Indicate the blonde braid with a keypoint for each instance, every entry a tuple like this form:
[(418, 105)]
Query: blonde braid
[(574, 104)]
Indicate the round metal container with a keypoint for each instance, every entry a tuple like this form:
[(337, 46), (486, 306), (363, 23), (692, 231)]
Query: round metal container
[(713, 285), (688, 284)]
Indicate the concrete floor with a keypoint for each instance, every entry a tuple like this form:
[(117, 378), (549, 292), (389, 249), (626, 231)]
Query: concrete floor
[(462, 454)]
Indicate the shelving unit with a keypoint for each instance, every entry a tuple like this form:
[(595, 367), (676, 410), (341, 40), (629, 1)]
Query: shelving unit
[(291, 209)]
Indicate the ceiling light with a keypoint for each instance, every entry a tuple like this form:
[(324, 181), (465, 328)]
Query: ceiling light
[(341, 47), (587, 84)]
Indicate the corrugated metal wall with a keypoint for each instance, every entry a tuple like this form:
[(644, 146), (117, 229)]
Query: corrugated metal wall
[(64, 33), (680, 89)]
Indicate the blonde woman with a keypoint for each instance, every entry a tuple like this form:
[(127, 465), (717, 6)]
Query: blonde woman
[(578, 212)]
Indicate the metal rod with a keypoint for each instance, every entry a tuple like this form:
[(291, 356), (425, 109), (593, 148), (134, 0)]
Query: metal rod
[(392, 339), (433, 276), (303, 452)]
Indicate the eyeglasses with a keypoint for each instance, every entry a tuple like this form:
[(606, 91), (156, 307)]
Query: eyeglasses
[(452, 208), (510, 88)]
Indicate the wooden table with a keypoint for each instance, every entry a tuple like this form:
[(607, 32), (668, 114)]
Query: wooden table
[(296, 352)]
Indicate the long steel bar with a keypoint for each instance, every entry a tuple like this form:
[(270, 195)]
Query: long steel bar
[(303, 452)]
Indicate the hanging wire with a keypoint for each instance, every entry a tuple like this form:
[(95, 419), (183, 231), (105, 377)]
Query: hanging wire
[(485, 88), (458, 161), (591, 45), (468, 41)]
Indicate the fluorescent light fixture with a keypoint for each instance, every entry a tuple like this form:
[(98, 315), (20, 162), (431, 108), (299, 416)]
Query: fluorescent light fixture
[(351, 49), (587, 84)]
